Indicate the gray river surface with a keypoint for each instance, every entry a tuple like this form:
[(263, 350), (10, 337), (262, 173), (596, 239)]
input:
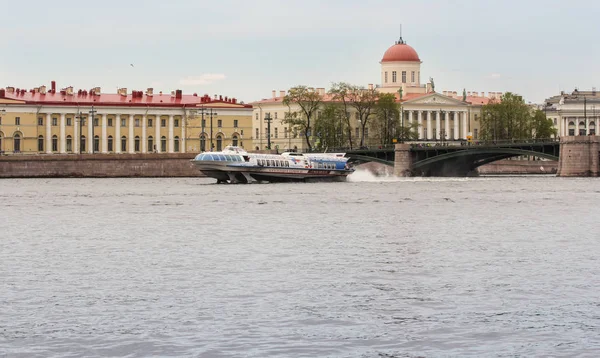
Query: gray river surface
[(481, 267)]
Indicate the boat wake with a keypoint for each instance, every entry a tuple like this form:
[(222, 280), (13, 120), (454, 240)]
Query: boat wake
[(364, 175)]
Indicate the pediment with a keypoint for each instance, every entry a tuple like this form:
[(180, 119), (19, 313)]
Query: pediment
[(436, 99)]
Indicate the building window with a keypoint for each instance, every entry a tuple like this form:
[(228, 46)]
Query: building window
[(17, 121), (276, 132), (149, 123), (163, 144), (54, 121), (256, 137), (69, 121), (176, 122), (419, 76), (151, 145), (366, 132), (356, 132), (385, 77), (123, 144), (202, 143), (235, 123), (241, 132), (412, 77), (475, 134), (234, 140), (40, 121), (96, 122), (554, 121), (110, 143), (203, 123), (403, 76), (123, 122), (54, 143), (220, 123), (82, 120), (219, 143), (394, 76), (41, 143), (110, 122), (17, 142), (69, 143), (163, 123), (176, 144), (82, 144), (136, 143), (285, 132), (137, 122), (256, 116), (96, 144), (275, 115)]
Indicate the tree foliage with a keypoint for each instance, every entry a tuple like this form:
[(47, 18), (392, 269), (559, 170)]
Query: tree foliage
[(330, 126), (364, 101), (308, 100), (511, 118), (339, 93)]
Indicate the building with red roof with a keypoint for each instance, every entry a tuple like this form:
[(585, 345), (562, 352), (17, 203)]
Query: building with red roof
[(48, 120), (445, 115)]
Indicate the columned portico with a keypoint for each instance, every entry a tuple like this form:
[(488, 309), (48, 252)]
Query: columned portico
[(419, 120), (438, 124), (117, 140), (130, 140), (464, 125), (48, 133), (157, 140), (144, 134), (90, 137), (63, 135), (104, 135), (446, 125), (170, 138), (456, 120), (429, 129)]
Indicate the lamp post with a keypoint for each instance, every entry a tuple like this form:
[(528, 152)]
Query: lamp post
[(268, 119), (80, 120), (91, 123), (210, 113)]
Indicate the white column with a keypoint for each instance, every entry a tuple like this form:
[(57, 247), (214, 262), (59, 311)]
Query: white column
[(90, 136), (465, 124), (429, 129), (104, 147), (438, 124), (144, 135), (576, 125), (130, 140), (48, 133), (76, 138), (447, 125), (170, 138), (419, 119), (182, 140), (587, 126), (117, 140), (157, 136), (456, 120), (63, 135)]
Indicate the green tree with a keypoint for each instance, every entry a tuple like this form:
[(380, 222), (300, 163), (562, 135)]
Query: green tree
[(511, 118), (329, 126), (339, 93), (364, 101), (387, 118), (308, 100)]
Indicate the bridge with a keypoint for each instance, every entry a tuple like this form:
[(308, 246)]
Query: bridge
[(451, 158)]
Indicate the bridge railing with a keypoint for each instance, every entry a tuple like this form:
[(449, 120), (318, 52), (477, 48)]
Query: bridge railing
[(427, 143)]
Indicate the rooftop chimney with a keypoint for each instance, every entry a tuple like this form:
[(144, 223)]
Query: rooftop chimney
[(274, 94), (53, 86), (96, 91), (42, 89), (122, 91), (178, 93), (2, 92), (69, 90), (10, 90), (149, 91), (282, 94)]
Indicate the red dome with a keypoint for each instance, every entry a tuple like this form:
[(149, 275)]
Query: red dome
[(400, 52)]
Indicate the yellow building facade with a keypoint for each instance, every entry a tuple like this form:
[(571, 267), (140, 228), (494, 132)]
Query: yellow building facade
[(45, 121)]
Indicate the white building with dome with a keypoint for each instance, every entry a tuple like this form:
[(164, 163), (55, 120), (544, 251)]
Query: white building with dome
[(447, 116)]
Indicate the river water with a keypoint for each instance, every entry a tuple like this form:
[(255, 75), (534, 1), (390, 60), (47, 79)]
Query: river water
[(478, 267)]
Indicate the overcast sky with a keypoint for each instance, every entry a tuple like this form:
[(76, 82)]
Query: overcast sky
[(245, 49)]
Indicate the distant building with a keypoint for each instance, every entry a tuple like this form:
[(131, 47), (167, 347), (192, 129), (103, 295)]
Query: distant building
[(574, 113), (441, 116), (42, 120)]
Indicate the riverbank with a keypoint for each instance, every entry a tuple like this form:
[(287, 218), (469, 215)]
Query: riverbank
[(500, 167)]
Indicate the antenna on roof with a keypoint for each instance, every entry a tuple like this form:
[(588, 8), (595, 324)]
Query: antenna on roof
[(400, 40)]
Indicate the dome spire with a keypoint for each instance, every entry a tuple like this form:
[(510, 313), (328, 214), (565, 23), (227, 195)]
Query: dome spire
[(400, 40)]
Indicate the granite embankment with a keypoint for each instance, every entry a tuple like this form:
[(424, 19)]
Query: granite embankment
[(98, 165), (508, 167)]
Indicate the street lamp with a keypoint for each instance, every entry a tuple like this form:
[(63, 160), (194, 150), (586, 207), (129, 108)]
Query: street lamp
[(80, 120), (91, 123), (268, 119), (210, 113)]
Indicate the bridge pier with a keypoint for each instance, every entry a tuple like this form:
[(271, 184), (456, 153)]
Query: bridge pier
[(403, 162), (579, 156)]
